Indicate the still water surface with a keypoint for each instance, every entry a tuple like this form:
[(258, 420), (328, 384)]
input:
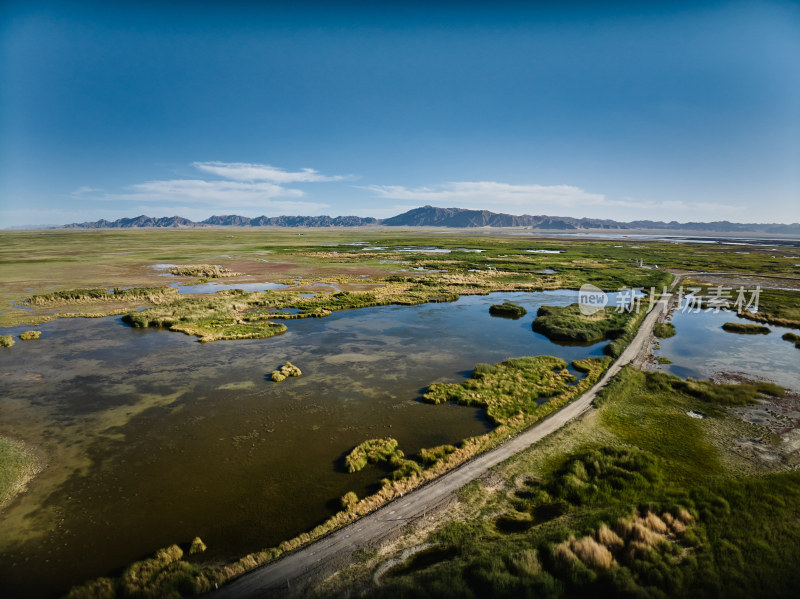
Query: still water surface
[(701, 349), (154, 438)]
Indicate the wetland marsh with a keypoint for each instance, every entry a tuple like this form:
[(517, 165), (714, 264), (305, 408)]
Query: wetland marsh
[(147, 438), (158, 439)]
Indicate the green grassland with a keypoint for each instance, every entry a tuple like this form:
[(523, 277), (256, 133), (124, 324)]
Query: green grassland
[(41, 262), (636, 500)]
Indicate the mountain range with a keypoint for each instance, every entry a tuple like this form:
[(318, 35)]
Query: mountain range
[(430, 216)]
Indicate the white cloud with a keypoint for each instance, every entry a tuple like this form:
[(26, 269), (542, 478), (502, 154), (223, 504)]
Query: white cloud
[(491, 193), (242, 187), (553, 200), (215, 192), (243, 171)]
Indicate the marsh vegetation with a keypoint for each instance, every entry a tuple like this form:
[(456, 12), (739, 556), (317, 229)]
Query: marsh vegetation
[(635, 501), (745, 328), (100, 294), (664, 330), (568, 324), (6, 341), (30, 335), (285, 372), (382, 276), (792, 338), (205, 271), (17, 467), (508, 310)]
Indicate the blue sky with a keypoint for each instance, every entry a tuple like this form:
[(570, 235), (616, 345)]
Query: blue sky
[(664, 111)]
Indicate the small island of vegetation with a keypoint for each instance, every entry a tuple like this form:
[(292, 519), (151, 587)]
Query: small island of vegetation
[(285, 372), (206, 271), (792, 338), (507, 310), (745, 328), (6, 340), (29, 335), (567, 324)]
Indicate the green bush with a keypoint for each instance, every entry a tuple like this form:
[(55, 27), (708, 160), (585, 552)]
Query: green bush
[(6, 341), (662, 330)]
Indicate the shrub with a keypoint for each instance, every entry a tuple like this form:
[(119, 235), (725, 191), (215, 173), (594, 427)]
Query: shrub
[(28, 335), (6, 341)]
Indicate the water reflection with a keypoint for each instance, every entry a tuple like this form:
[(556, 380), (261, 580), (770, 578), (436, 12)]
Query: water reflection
[(702, 349)]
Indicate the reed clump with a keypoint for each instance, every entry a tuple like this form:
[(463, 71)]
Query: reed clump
[(285, 372), (197, 546), (29, 335), (101, 294), (349, 501), (166, 574), (745, 328), (514, 389), (372, 451), (6, 340), (206, 271)]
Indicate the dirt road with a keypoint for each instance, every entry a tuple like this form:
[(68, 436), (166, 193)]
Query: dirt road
[(289, 575)]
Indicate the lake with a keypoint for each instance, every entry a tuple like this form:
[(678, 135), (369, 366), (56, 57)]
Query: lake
[(154, 438)]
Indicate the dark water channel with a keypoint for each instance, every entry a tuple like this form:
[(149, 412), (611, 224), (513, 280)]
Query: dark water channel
[(153, 438)]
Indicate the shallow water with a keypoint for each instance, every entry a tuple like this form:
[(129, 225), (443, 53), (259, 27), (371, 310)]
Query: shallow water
[(154, 438), (702, 349)]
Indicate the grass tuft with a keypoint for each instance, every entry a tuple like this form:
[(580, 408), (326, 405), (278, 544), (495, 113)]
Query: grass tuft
[(285, 372), (507, 309), (745, 328), (662, 330), (372, 451)]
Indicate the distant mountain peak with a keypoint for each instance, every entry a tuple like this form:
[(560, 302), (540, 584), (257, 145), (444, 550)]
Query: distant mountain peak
[(432, 216)]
